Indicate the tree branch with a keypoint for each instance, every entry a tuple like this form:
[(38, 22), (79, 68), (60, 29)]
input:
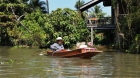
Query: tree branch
[(18, 19)]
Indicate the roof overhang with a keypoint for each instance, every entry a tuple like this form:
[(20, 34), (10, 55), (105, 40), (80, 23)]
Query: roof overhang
[(89, 4)]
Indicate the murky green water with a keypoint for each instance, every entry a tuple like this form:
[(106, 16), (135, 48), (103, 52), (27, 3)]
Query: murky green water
[(27, 63)]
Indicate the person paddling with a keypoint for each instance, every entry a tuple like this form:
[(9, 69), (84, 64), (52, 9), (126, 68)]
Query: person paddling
[(58, 46)]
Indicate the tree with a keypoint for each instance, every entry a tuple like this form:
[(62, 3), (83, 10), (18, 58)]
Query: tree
[(20, 25), (69, 25), (129, 24), (43, 29), (96, 11), (33, 4), (79, 4), (11, 13), (42, 4)]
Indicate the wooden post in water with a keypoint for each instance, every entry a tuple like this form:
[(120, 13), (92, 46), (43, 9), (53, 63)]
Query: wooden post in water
[(92, 37), (92, 22)]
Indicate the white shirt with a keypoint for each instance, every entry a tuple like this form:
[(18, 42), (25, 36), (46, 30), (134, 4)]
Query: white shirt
[(57, 47)]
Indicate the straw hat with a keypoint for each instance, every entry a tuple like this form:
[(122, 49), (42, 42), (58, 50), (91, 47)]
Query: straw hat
[(59, 38)]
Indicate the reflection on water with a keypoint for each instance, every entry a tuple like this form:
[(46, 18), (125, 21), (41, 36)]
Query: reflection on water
[(26, 63)]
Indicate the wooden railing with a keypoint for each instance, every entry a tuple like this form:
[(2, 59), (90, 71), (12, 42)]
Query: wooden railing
[(102, 22)]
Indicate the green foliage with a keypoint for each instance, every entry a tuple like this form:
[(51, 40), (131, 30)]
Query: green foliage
[(135, 46), (69, 25), (10, 10), (131, 27), (37, 28), (33, 4), (129, 24), (13, 1), (96, 11), (45, 28), (79, 4), (11, 61)]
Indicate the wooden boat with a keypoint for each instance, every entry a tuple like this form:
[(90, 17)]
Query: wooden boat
[(81, 53)]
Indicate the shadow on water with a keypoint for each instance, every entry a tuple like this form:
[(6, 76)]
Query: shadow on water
[(23, 63)]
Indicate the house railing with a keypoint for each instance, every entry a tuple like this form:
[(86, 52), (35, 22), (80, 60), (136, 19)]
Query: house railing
[(101, 22)]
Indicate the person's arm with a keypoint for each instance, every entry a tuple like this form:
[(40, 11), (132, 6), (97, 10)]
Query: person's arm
[(62, 47), (53, 46)]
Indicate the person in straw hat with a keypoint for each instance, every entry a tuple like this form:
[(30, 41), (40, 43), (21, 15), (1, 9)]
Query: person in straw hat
[(58, 46)]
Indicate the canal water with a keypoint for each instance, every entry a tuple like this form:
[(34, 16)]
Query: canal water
[(28, 63)]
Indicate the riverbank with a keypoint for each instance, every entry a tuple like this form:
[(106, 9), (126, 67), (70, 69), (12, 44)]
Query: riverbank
[(105, 48)]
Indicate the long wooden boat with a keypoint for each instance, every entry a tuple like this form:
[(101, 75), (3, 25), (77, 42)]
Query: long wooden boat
[(81, 53)]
